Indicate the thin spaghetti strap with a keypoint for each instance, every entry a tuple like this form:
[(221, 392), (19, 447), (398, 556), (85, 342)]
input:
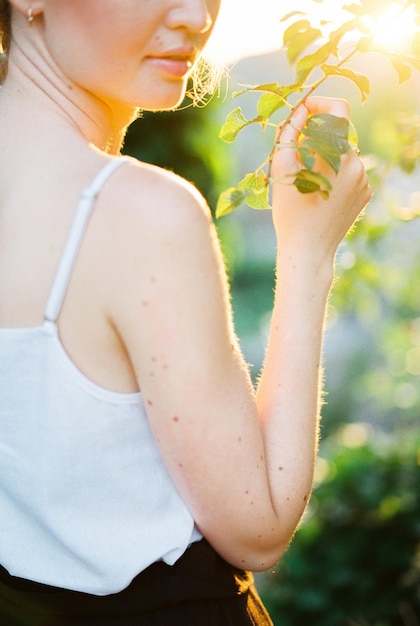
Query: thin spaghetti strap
[(75, 238)]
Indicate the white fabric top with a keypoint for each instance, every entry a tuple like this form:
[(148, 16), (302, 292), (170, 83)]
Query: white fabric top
[(85, 500)]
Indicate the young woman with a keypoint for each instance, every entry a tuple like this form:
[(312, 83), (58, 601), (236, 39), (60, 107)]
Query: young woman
[(141, 476)]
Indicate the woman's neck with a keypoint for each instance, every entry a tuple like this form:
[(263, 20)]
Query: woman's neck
[(34, 79)]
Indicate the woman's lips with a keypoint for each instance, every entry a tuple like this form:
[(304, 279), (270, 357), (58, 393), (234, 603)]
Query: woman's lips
[(176, 67), (175, 62)]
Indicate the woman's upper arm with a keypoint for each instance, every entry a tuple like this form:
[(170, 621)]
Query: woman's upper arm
[(171, 307), (174, 285)]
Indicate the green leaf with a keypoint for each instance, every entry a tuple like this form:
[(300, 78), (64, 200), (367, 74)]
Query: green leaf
[(327, 151), (352, 137), (229, 200), (307, 64), (268, 104), (291, 14), (297, 37), (307, 156), (252, 190), (356, 9), (274, 88), (403, 70), (360, 80), (255, 186), (328, 135), (234, 123), (307, 181)]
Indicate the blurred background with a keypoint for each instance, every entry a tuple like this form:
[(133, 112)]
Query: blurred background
[(355, 560)]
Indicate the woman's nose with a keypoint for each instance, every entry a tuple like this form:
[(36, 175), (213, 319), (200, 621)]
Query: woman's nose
[(196, 15)]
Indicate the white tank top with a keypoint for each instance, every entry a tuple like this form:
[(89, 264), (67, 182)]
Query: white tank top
[(85, 500)]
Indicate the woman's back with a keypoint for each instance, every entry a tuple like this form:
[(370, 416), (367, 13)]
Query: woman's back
[(39, 192), (73, 450)]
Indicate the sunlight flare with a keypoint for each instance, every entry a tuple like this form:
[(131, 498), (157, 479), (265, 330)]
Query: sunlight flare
[(256, 28), (393, 28)]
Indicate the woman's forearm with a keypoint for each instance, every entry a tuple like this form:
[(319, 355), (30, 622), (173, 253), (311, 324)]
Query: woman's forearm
[(290, 387)]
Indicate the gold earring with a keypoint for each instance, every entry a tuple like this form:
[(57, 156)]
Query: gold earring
[(30, 16)]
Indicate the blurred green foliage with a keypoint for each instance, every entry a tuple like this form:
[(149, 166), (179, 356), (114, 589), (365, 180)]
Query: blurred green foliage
[(185, 142), (356, 559)]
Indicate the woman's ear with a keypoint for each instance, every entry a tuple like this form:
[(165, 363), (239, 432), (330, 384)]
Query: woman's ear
[(29, 8)]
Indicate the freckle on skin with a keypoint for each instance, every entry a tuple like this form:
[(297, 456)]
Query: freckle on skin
[(145, 303), (154, 359), (150, 403), (305, 498), (175, 419), (239, 439), (281, 468)]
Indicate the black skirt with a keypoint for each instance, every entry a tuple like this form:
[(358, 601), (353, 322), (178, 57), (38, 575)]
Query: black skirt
[(201, 589)]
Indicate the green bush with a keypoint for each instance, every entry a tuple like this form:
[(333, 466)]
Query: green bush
[(184, 141), (355, 561)]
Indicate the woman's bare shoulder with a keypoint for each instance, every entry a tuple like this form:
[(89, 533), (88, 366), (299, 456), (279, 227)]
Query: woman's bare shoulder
[(158, 197), (149, 217)]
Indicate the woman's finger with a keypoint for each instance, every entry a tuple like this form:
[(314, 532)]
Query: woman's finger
[(333, 106), (286, 158)]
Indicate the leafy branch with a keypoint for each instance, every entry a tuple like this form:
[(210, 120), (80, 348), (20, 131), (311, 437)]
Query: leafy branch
[(316, 51)]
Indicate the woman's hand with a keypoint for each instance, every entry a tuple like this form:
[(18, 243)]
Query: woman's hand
[(307, 222)]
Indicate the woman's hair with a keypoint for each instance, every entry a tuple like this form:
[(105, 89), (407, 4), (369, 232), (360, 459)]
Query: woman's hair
[(4, 37), (205, 80)]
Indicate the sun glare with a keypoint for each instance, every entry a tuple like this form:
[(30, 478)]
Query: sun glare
[(251, 29), (256, 28), (392, 29)]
